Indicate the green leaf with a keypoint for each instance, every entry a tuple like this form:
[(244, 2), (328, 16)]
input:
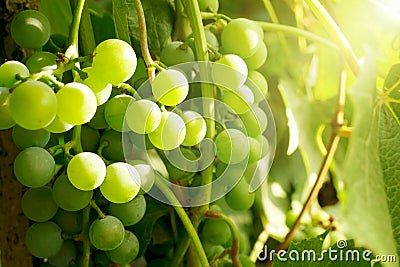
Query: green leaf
[(144, 228), (120, 14), (102, 22), (366, 210), (159, 16), (59, 14)]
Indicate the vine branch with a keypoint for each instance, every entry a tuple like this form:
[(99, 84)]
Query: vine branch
[(72, 51)]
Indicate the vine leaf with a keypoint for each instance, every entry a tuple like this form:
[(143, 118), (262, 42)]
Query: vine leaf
[(120, 14), (366, 211), (159, 16), (59, 14), (389, 150)]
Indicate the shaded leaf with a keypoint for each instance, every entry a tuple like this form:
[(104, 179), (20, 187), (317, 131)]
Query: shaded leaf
[(59, 14), (120, 14)]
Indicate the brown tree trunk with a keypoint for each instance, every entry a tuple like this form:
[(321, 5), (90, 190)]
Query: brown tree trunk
[(13, 223)]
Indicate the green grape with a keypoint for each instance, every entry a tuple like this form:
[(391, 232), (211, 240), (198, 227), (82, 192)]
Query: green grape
[(38, 204), (211, 40), (33, 105), (232, 146), (258, 85), (239, 100), (129, 213), (264, 145), (143, 116), (170, 87), (41, 61), (195, 128), (255, 150), (30, 29), (101, 88), (239, 198), (70, 222), (233, 173), (184, 171), (147, 176), (43, 239), (86, 171), (90, 138), (212, 251), (34, 167), (106, 233), (229, 72), (66, 255), (114, 149), (255, 121), (68, 197), (8, 72), (209, 5), (216, 232), (170, 133), (115, 111), (291, 217), (127, 251), (99, 120), (259, 57), (76, 103), (6, 120), (24, 138), (58, 126), (114, 60), (122, 183), (175, 53), (241, 37)]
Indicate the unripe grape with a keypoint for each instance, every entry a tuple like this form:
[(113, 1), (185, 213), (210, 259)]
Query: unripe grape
[(229, 72), (232, 146), (115, 112), (143, 116), (40, 61), (259, 57), (195, 128), (100, 87), (175, 53), (239, 198), (239, 100), (258, 85), (216, 232), (43, 239), (8, 72), (209, 5), (106, 233), (127, 251), (170, 87)]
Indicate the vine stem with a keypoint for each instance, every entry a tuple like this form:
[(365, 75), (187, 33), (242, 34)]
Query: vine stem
[(337, 123), (333, 29), (185, 220), (85, 237), (72, 51)]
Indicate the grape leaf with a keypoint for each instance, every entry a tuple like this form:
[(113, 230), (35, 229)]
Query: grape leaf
[(120, 14), (366, 211), (159, 16), (59, 14), (144, 228)]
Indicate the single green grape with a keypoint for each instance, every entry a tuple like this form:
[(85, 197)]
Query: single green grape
[(34, 167), (114, 60), (255, 121), (43, 239), (24, 138), (99, 119), (175, 53), (100, 87), (241, 37), (38, 204), (232, 146), (8, 72), (76, 103), (196, 128), (239, 198), (106, 233), (66, 255), (30, 29), (6, 120), (122, 183), (258, 85), (70, 222), (184, 170), (127, 251), (229, 72), (259, 57), (33, 105), (216, 232), (115, 111), (265, 146), (68, 197), (255, 151), (147, 176), (209, 5), (113, 149), (58, 126), (41, 61), (170, 87), (143, 116), (130, 212), (86, 171), (170, 133), (238, 100)]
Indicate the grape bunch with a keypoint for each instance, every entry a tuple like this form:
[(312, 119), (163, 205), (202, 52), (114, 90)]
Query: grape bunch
[(85, 136)]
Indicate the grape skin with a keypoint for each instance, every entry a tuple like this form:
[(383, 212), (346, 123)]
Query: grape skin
[(170, 87), (143, 116), (232, 146), (229, 72), (43, 239), (106, 233)]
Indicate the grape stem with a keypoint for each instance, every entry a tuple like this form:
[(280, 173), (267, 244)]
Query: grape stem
[(190, 229), (72, 50), (76, 139), (85, 237), (97, 209), (234, 251)]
